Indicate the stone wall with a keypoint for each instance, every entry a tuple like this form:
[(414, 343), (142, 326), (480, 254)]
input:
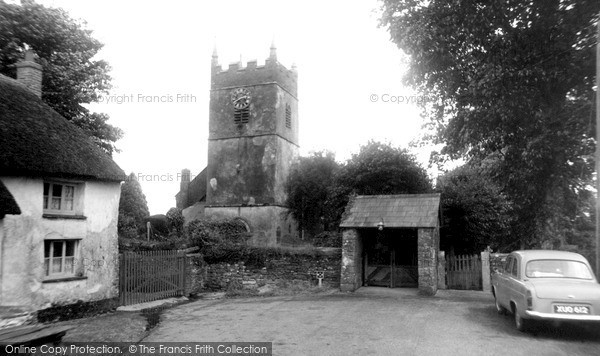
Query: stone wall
[(289, 267), (269, 225), (196, 271)]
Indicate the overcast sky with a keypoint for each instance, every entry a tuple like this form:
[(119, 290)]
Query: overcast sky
[(348, 68)]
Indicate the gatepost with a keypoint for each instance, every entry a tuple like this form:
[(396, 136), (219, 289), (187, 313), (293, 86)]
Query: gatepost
[(485, 271)]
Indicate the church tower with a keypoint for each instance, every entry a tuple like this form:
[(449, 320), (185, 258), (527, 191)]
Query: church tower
[(253, 140)]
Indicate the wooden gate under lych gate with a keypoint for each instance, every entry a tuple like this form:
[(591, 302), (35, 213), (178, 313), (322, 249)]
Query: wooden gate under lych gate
[(151, 275), (463, 272)]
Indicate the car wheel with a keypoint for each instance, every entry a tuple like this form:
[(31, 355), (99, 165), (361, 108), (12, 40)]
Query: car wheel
[(499, 308), (520, 323)]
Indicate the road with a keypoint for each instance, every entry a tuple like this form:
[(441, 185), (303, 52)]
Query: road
[(372, 321)]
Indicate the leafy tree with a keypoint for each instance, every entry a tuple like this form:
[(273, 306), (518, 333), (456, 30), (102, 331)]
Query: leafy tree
[(72, 76), (307, 190), (475, 213), (133, 208), (380, 168), (514, 83), (377, 168), (319, 188)]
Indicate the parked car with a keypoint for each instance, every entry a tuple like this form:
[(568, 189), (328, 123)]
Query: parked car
[(546, 285)]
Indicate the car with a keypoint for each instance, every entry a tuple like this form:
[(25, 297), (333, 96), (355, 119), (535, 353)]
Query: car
[(546, 285)]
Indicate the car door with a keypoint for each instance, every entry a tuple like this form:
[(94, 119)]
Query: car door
[(503, 282), (516, 288)]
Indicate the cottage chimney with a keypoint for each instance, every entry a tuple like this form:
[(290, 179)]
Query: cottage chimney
[(29, 73)]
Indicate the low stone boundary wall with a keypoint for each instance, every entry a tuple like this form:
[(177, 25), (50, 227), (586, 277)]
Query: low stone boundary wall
[(289, 268), (195, 274)]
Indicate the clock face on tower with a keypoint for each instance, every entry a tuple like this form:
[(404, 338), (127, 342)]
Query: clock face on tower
[(240, 98)]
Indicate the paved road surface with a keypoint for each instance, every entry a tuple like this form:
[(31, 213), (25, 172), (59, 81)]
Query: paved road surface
[(372, 321)]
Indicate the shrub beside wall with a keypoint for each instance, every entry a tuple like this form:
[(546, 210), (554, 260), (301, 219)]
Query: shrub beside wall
[(497, 261)]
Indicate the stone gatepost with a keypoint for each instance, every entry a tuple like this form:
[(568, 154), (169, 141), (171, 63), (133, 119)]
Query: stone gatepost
[(427, 254), (351, 271), (485, 271), (441, 270)]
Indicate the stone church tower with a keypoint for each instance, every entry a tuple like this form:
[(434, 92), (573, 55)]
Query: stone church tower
[(253, 140)]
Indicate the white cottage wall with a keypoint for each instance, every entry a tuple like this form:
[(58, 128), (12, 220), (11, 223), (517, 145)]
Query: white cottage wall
[(23, 281)]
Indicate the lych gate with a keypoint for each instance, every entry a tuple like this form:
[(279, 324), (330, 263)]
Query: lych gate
[(392, 241), (390, 258)]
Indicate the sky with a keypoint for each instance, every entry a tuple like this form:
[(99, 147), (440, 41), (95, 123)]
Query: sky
[(349, 88)]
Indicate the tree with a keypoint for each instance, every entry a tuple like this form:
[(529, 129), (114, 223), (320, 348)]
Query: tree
[(133, 208), (514, 84), (72, 76), (475, 213), (378, 168), (319, 188), (307, 190)]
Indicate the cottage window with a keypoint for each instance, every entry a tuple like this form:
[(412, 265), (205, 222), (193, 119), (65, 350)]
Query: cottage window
[(62, 198), (60, 258)]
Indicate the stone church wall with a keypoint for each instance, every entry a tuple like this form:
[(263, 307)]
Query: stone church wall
[(269, 225)]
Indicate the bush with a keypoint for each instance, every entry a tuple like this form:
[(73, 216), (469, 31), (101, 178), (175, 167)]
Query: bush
[(135, 245), (219, 240), (133, 208), (127, 227), (328, 239), (160, 225), (175, 221)]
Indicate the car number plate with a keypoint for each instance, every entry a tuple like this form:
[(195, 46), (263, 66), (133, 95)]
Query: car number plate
[(571, 309)]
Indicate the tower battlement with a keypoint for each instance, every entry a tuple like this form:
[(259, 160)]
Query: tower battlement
[(252, 74)]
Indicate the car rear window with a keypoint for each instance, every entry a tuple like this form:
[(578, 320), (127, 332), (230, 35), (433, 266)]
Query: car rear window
[(557, 269)]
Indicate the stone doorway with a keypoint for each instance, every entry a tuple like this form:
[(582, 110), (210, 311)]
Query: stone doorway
[(390, 258)]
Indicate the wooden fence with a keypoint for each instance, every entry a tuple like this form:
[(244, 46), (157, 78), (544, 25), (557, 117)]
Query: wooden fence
[(463, 272), (151, 275)]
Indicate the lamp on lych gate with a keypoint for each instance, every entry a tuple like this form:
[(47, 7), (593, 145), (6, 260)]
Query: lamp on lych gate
[(380, 225)]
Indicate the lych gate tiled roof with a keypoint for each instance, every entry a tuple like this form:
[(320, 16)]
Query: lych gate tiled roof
[(406, 210)]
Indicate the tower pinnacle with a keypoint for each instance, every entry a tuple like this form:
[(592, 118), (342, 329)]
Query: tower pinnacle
[(215, 56), (273, 50)]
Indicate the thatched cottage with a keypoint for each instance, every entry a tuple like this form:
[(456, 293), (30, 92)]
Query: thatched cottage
[(59, 197)]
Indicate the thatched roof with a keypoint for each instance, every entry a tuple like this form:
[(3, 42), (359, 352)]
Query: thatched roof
[(8, 205), (406, 210), (36, 141)]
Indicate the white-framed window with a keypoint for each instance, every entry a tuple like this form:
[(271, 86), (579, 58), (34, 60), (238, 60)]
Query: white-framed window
[(60, 258), (62, 198)]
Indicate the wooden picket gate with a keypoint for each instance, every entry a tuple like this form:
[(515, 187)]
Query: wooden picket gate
[(151, 275), (463, 272)]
